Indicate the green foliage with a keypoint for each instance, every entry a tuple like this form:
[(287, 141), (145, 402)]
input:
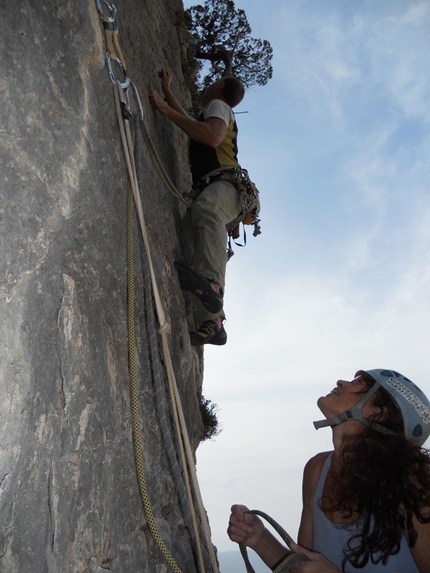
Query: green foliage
[(209, 417), (220, 34)]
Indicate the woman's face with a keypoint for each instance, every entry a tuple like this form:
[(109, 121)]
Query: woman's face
[(344, 396)]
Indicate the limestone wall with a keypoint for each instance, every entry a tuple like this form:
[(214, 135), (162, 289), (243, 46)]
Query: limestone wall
[(69, 499)]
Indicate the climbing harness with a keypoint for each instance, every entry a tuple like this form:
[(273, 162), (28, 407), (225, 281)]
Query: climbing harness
[(249, 197), (289, 561), (184, 473), (249, 194)]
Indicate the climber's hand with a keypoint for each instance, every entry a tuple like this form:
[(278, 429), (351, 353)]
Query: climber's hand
[(166, 80), (317, 564), (244, 526), (158, 101)]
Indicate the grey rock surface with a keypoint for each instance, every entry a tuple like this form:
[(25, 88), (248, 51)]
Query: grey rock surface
[(69, 497)]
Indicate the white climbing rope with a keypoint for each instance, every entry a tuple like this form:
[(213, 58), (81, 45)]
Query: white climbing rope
[(114, 54)]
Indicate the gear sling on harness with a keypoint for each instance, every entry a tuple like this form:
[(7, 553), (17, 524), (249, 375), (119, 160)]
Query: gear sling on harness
[(249, 197)]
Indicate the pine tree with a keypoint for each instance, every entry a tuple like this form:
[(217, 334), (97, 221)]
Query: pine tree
[(221, 34)]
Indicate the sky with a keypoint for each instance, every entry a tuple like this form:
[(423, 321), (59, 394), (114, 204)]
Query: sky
[(338, 143)]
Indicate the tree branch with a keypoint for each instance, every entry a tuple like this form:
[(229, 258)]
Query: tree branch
[(218, 54)]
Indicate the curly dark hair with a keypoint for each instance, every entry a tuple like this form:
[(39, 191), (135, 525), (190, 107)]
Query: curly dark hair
[(385, 479)]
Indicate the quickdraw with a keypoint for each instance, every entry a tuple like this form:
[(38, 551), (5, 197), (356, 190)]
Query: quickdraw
[(113, 50)]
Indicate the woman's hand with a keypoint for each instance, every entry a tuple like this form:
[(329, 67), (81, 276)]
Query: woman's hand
[(317, 564), (245, 526), (248, 528)]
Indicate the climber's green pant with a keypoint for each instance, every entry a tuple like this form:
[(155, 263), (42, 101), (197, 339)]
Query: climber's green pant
[(204, 234)]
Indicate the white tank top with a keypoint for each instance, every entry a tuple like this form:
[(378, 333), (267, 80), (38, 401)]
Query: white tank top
[(331, 539)]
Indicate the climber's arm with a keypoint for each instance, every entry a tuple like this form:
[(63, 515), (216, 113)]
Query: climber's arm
[(210, 132), (166, 80)]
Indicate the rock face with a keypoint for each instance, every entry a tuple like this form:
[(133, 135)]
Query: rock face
[(69, 496)]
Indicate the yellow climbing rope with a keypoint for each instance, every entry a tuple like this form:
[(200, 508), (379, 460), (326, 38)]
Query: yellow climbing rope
[(183, 441), (113, 54), (135, 395)]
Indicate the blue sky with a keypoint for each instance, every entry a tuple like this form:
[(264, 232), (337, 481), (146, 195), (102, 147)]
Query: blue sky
[(338, 143)]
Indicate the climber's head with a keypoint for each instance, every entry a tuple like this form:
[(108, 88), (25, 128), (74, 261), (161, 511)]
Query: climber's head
[(378, 398), (230, 90)]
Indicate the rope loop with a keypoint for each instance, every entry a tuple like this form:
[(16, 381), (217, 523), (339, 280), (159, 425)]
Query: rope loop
[(288, 562)]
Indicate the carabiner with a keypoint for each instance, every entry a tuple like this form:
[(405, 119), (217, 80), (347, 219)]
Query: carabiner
[(137, 100), (111, 7), (126, 82)]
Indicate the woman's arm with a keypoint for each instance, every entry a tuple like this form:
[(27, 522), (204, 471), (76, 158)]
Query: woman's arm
[(311, 476), (421, 550), (248, 528), (317, 563), (305, 528)]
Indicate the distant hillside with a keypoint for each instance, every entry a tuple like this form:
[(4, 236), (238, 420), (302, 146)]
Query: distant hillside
[(232, 562)]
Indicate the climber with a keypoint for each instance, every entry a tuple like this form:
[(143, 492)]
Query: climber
[(366, 505), (213, 153)]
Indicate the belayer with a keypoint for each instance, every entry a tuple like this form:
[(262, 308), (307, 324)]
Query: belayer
[(366, 504), (217, 203)]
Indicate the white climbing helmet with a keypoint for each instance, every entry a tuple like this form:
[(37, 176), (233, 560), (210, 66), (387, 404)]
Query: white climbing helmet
[(412, 402)]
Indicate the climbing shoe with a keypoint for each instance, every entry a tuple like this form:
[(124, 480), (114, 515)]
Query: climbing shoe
[(194, 282), (209, 333)]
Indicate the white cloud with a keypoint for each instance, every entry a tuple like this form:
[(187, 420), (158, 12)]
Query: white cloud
[(328, 53), (418, 14)]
